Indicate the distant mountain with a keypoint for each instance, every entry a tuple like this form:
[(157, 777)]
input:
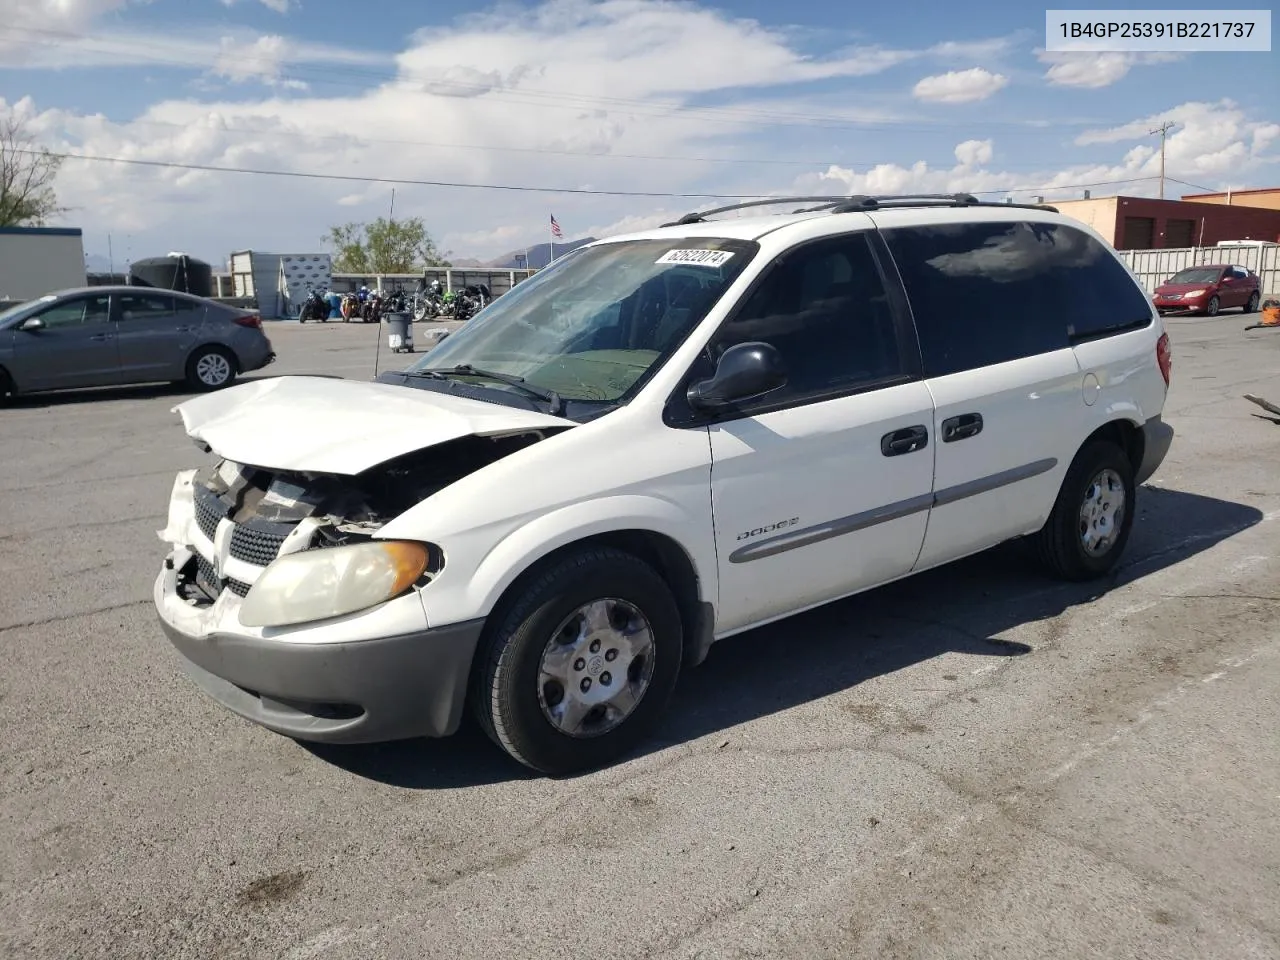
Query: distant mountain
[(539, 255), (468, 262)]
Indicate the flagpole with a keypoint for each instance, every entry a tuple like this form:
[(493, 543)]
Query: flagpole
[(551, 232)]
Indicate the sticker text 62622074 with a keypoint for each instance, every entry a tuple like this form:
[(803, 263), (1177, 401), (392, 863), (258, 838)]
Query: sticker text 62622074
[(698, 258)]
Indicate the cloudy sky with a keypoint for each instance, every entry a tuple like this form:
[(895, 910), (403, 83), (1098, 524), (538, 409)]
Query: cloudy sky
[(642, 97)]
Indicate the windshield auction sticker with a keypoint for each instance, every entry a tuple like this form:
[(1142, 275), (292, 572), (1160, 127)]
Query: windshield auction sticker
[(699, 258)]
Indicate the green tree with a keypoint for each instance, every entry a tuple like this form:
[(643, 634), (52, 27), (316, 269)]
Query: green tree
[(27, 173), (384, 246)]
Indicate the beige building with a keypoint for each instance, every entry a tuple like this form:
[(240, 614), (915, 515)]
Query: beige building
[(1267, 199), (1146, 223)]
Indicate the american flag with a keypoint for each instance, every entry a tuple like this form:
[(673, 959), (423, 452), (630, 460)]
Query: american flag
[(555, 228)]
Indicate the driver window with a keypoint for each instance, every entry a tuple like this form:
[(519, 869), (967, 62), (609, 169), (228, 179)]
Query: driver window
[(826, 311), (75, 313)]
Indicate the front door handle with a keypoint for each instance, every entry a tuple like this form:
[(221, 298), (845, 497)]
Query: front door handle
[(958, 428), (906, 440), (101, 336)]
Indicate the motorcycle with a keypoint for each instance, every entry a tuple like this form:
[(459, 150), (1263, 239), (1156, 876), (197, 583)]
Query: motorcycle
[(395, 302), (350, 307), (474, 298), (371, 309), (427, 303), (315, 307)]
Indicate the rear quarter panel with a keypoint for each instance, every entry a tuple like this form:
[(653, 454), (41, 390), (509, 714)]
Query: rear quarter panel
[(1130, 385), (250, 345)]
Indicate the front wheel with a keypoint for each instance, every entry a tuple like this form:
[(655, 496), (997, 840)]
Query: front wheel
[(581, 663), (1211, 308), (1089, 527), (1252, 305)]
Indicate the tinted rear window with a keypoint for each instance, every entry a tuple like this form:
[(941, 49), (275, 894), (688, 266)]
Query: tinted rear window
[(985, 293)]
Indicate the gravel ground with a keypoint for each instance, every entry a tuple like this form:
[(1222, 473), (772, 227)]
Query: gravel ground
[(977, 761)]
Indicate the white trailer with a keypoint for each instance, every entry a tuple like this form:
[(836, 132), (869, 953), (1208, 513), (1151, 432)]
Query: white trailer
[(38, 260)]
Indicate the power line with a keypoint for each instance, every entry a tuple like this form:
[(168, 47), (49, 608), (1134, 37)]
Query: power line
[(541, 151), (304, 175), (516, 188)]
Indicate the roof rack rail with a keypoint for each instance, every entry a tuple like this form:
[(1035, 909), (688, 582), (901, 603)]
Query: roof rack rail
[(860, 203), (863, 203), (698, 216)]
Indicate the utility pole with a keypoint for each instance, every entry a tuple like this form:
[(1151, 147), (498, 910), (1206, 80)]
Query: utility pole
[(1163, 130)]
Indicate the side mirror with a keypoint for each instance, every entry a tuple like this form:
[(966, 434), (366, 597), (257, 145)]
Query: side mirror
[(32, 323), (745, 371)]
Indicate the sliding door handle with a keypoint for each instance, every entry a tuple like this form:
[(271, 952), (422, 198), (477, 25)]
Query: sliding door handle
[(961, 427)]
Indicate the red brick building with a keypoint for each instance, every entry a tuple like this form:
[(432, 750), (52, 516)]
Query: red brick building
[(1143, 223)]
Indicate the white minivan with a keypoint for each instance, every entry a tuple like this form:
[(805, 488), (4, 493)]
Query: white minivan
[(660, 441)]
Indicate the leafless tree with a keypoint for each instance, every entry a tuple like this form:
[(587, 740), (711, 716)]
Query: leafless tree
[(27, 172)]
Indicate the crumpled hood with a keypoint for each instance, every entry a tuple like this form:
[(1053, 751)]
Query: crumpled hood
[(323, 425)]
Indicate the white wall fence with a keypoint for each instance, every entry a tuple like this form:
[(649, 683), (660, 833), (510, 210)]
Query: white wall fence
[(1153, 267)]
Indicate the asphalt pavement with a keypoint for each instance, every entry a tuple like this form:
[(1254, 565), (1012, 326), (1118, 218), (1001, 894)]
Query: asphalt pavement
[(975, 762)]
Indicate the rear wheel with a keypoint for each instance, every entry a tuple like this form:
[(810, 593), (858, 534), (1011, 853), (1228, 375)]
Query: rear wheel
[(581, 663), (1086, 534), (1252, 306), (211, 368)]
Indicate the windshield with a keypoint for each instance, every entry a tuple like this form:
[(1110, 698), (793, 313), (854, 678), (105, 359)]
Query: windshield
[(592, 325), (1196, 275)]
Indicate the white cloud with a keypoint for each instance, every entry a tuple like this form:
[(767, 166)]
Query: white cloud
[(38, 24), (1207, 139), (1214, 141), (195, 49), (1088, 69), (960, 86), (974, 153), (279, 6), (261, 60)]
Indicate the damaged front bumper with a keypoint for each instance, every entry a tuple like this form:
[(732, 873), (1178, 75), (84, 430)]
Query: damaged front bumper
[(381, 674)]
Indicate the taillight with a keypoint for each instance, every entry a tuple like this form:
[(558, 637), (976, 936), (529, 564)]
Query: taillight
[(251, 320), (1164, 357)]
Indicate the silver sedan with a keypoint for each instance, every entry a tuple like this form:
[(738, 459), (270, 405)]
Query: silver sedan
[(107, 336)]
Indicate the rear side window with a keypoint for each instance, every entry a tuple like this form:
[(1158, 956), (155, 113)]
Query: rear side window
[(986, 293), (146, 306)]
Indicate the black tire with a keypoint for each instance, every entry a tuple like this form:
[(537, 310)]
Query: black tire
[(7, 392), (1060, 541), (505, 695), (201, 364), (1211, 308), (1252, 305)]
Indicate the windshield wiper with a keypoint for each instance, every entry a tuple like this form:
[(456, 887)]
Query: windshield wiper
[(467, 370)]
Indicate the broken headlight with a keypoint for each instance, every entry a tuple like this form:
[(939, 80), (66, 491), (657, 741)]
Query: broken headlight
[(318, 584)]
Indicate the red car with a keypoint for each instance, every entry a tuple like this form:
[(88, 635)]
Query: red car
[(1208, 289)]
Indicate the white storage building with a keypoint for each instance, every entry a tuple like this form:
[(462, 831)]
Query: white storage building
[(38, 260)]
